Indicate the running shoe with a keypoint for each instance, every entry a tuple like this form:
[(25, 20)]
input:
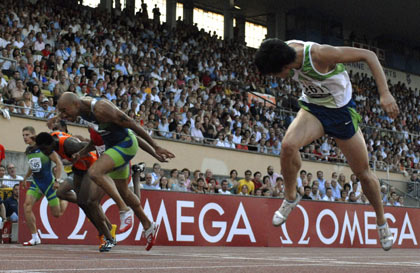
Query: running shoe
[(150, 234), (280, 216), (32, 242), (385, 237), (107, 246), (126, 218)]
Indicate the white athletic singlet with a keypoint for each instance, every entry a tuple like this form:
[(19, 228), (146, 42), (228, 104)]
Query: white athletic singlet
[(332, 89)]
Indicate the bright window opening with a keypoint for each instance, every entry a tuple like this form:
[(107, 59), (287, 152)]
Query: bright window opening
[(209, 21), (254, 34), (161, 4), (179, 11)]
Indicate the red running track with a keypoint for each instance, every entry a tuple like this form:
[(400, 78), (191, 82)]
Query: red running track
[(65, 258)]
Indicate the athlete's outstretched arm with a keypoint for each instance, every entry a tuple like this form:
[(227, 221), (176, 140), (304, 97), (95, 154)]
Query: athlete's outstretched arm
[(328, 56), (146, 147), (105, 111), (73, 145), (87, 147)]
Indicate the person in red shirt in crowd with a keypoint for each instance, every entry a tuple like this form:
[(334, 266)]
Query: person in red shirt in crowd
[(242, 145), (206, 79), (317, 152), (257, 180), (2, 153), (46, 51)]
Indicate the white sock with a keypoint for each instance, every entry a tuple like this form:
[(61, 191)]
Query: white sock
[(35, 237), (382, 226)]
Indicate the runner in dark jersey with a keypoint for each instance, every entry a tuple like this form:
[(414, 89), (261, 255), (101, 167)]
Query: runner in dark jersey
[(87, 194), (120, 147)]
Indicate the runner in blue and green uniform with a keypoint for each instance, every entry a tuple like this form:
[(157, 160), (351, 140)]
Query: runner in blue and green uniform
[(44, 183), (111, 170)]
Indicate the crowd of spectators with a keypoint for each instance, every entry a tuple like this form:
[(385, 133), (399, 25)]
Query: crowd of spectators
[(180, 83), (269, 184)]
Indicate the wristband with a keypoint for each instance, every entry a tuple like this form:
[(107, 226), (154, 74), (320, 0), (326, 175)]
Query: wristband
[(59, 181)]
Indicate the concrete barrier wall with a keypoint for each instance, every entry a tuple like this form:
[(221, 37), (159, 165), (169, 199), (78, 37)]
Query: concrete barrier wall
[(191, 156)]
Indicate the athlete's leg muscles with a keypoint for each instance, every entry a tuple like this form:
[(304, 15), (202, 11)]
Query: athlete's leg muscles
[(98, 173), (88, 199), (96, 195), (304, 129), (58, 206), (30, 200), (64, 192), (354, 149), (132, 201)]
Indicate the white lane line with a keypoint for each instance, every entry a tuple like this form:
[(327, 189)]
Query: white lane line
[(183, 267)]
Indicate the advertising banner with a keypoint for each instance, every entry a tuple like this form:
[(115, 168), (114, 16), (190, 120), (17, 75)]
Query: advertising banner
[(260, 97), (188, 219)]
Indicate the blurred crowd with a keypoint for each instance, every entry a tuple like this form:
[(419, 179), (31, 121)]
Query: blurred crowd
[(180, 83)]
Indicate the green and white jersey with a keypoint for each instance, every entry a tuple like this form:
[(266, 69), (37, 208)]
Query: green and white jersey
[(332, 89)]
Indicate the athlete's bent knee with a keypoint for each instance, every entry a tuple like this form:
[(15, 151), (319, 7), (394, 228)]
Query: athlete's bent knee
[(288, 148), (364, 175), (27, 207), (92, 203), (94, 175), (56, 213)]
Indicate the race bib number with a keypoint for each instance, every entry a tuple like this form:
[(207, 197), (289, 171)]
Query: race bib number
[(100, 149), (314, 90), (35, 164)]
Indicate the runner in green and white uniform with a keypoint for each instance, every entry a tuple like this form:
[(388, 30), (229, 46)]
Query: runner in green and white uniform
[(327, 108), (328, 96)]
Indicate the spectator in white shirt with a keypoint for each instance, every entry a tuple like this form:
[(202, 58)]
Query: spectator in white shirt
[(336, 189), (11, 170), (180, 186), (229, 142), (163, 127), (302, 176), (154, 95), (273, 176), (156, 175), (224, 189), (237, 136), (314, 193), (328, 195), (220, 140), (148, 184), (197, 130), (18, 43), (39, 44), (44, 110)]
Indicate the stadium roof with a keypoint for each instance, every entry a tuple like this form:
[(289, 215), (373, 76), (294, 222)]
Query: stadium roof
[(391, 18)]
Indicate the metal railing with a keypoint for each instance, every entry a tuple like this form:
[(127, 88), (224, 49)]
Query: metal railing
[(375, 165), (13, 65), (411, 198), (13, 107)]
